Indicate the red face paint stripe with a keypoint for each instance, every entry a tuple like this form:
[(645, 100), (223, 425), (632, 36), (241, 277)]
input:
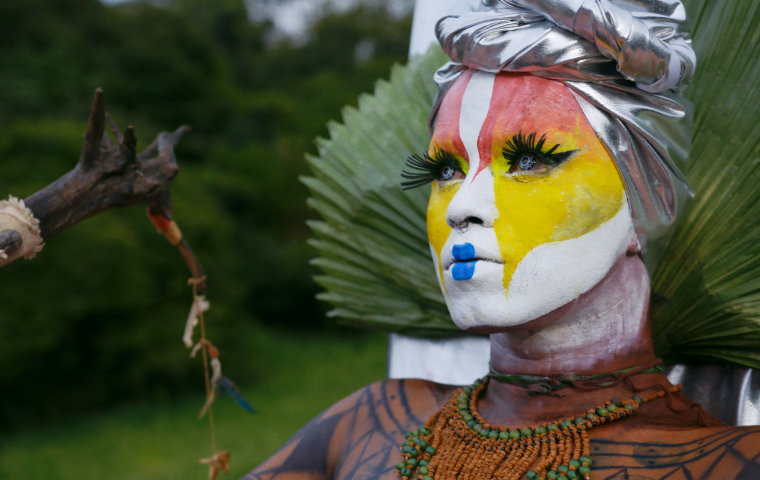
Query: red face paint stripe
[(529, 104), (446, 135), (507, 104)]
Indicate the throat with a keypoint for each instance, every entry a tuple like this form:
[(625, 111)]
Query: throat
[(604, 330)]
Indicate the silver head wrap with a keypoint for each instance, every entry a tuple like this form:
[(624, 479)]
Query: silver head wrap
[(625, 61)]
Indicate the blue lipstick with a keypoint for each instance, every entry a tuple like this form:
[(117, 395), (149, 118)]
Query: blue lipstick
[(464, 268)]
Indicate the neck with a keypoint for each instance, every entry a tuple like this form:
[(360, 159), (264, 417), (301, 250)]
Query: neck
[(604, 330)]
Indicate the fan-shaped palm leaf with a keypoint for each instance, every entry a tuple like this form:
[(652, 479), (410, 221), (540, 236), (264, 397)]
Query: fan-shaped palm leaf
[(372, 240)]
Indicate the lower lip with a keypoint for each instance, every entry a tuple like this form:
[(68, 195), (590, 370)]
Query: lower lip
[(463, 270)]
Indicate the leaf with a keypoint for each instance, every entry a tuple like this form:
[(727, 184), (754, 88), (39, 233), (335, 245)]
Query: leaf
[(711, 268), (373, 241)]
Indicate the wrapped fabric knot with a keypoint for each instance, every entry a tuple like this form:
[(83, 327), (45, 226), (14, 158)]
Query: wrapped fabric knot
[(625, 61)]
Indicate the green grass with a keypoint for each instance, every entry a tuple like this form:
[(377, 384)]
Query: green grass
[(164, 440)]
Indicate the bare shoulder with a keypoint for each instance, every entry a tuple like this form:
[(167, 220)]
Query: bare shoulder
[(397, 406), (360, 432), (715, 453)]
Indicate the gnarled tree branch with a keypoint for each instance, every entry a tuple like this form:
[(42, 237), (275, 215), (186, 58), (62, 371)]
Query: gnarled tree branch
[(109, 175)]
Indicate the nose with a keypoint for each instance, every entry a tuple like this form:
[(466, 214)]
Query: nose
[(473, 204)]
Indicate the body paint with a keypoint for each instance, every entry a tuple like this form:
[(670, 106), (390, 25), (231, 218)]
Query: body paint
[(573, 198), (549, 276), (472, 115), (506, 217)]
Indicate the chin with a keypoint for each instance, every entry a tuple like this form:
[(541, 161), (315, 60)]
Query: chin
[(480, 305), (549, 277), (479, 301)]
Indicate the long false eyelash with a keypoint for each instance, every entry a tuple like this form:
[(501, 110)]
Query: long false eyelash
[(520, 144), (423, 170)]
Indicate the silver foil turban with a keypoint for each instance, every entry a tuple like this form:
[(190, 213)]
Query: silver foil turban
[(625, 61)]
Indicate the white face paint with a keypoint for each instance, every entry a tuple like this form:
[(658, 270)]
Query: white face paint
[(474, 111), (572, 267), (513, 244), (480, 299)]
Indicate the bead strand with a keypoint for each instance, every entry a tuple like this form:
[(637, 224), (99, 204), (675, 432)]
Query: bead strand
[(457, 443)]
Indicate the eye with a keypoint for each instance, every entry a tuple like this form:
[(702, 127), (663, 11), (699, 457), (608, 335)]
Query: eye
[(526, 162), (447, 173), (421, 170), (525, 154)]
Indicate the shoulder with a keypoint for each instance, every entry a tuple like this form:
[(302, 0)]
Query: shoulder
[(394, 407), (412, 395), (366, 444), (353, 431)]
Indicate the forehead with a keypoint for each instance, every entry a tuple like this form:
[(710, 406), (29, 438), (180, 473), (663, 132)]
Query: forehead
[(481, 111)]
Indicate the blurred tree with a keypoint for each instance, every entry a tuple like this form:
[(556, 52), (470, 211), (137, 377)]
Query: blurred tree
[(97, 317)]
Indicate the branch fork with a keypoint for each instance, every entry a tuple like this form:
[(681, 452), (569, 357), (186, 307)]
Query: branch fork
[(109, 174)]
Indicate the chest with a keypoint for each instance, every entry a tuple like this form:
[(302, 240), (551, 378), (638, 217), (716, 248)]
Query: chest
[(720, 455), (716, 454)]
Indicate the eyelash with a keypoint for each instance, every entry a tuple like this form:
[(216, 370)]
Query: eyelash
[(425, 169), (521, 145)]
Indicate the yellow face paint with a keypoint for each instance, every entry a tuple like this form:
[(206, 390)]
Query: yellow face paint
[(534, 208), (568, 201), (437, 229), (446, 137)]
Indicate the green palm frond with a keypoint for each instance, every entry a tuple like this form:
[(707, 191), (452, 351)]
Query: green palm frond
[(710, 274), (372, 241)]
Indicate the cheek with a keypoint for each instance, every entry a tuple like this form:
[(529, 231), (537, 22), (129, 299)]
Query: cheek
[(437, 228), (573, 200)]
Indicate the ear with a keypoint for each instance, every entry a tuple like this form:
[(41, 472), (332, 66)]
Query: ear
[(633, 245)]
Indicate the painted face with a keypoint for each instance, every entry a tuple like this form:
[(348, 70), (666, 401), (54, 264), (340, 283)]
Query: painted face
[(527, 209)]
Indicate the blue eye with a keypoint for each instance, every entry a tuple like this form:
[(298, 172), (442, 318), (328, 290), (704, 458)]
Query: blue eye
[(526, 162), (524, 152), (442, 166), (447, 172)]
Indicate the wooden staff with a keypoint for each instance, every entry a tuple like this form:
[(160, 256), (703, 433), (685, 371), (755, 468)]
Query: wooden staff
[(110, 175)]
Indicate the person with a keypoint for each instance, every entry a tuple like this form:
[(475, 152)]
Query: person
[(553, 177)]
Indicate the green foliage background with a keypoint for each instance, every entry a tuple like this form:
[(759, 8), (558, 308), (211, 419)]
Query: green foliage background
[(96, 319)]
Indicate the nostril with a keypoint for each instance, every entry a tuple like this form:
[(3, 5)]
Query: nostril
[(473, 220)]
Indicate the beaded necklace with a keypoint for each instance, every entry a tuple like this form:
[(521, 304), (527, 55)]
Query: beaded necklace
[(457, 443)]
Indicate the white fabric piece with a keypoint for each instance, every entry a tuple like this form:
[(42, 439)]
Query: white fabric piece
[(426, 15), (216, 368), (449, 361)]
